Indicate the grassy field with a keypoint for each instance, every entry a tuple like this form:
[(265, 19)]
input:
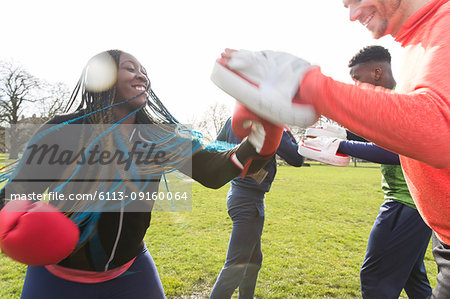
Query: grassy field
[(317, 222)]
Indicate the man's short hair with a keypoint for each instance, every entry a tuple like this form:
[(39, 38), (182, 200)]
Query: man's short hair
[(370, 54)]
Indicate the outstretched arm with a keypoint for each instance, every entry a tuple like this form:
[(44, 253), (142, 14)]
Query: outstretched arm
[(418, 122), (368, 151), (288, 150), (215, 169)]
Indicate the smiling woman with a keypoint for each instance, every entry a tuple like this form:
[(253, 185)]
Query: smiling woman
[(118, 114), (132, 81), (121, 73)]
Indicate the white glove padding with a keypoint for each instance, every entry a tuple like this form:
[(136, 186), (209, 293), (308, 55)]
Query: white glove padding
[(262, 138), (327, 130), (257, 134), (266, 82), (262, 134), (323, 149)]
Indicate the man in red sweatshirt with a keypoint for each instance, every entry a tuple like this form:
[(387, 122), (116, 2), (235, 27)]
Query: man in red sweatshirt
[(413, 120)]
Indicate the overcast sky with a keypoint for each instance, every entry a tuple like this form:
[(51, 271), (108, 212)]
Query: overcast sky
[(178, 40)]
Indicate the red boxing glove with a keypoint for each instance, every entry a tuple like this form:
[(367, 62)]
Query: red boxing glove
[(36, 234), (262, 134)]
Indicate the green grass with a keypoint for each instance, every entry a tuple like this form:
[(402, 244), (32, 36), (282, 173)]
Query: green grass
[(318, 219)]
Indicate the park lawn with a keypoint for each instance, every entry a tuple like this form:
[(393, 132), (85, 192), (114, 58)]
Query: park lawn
[(317, 222)]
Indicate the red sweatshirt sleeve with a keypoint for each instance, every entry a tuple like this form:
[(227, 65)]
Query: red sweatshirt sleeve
[(413, 120), (415, 125)]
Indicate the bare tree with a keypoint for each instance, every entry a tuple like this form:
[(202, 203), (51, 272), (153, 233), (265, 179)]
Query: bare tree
[(17, 89), (54, 99), (21, 92), (212, 120)]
